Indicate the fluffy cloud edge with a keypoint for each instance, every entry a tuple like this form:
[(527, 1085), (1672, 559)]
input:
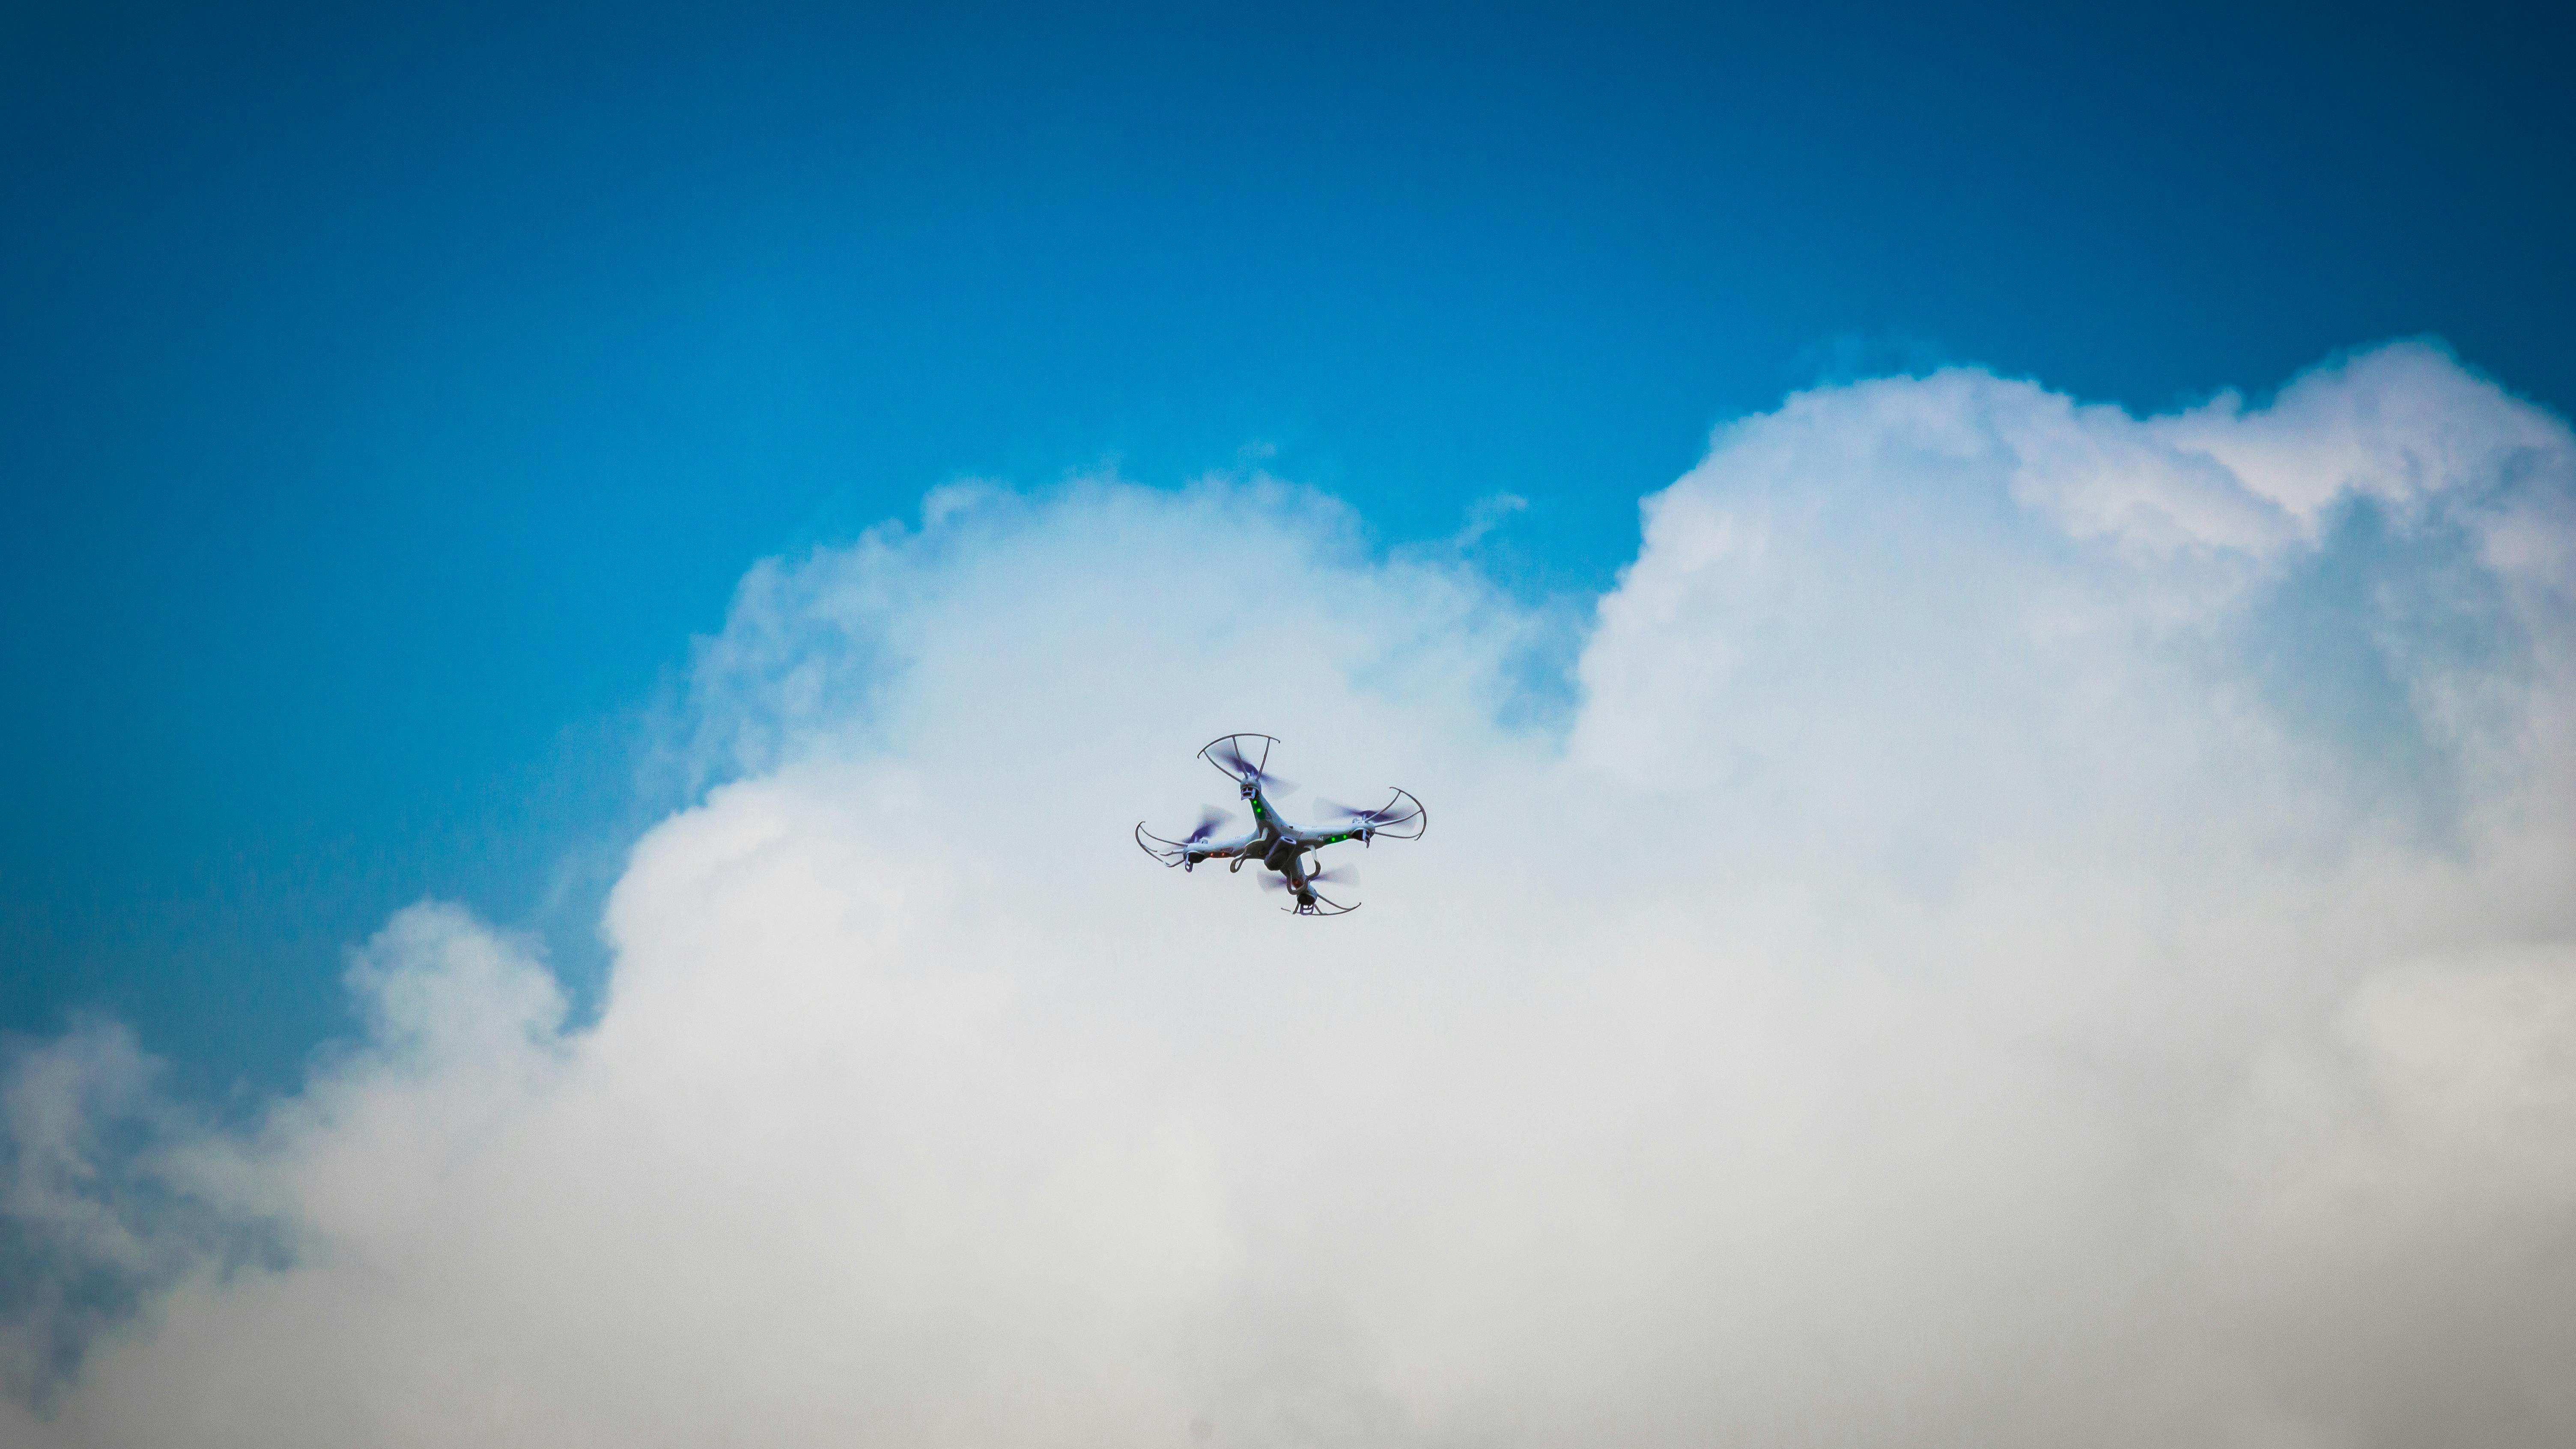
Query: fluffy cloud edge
[(1964, 640)]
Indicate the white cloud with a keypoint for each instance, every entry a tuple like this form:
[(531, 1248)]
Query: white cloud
[(1959, 977)]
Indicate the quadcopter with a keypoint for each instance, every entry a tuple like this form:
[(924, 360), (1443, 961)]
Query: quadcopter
[(1273, 842)]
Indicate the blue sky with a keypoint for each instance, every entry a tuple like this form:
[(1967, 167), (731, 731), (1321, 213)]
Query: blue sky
[(390, 396)]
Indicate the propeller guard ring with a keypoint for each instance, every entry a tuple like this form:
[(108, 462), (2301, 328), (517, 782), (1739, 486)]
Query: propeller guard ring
[(1260, 768)]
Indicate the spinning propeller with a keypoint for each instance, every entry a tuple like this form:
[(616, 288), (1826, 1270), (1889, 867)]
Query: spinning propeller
[(1210, 818), (1382, 815), (1228, 755), (1390, 819)]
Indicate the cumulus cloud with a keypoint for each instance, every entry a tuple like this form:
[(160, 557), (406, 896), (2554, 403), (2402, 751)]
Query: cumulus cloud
[(2038, 926)]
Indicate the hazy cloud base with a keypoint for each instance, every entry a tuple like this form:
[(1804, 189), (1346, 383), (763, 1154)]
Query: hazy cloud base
[(2041, 927)]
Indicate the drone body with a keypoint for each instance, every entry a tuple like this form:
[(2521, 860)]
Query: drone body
[(1273, 843)]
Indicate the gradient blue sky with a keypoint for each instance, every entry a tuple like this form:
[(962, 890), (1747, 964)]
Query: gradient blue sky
[(389, 397)]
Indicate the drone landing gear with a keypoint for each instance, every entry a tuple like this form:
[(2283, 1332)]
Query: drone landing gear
[(1305, 900)]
